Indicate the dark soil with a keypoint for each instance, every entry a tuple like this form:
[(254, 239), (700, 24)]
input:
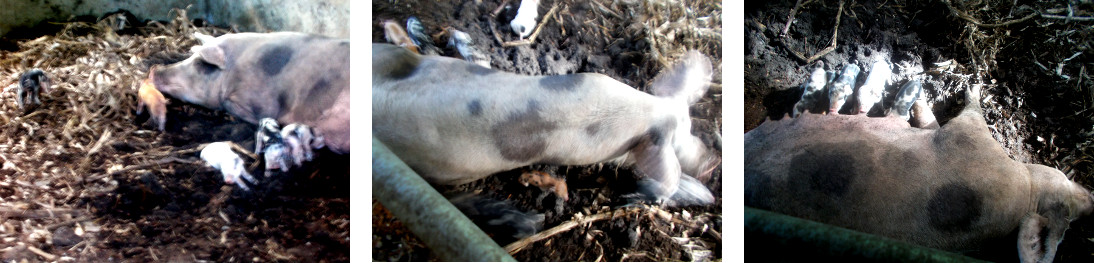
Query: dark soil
[(86, 179), (1032, 69), (630, 41)]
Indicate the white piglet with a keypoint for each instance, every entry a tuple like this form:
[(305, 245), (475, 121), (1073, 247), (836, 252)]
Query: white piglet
[(525, 20), (220, 156)]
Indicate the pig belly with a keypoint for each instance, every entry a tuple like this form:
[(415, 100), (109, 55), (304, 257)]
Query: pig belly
[(880, 176)]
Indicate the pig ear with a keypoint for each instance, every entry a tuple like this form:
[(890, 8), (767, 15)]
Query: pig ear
[(687, 80), (1038, 237), (210, 54), (209, 50)]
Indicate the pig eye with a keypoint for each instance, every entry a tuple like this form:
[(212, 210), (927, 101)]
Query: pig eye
[(204, 67)]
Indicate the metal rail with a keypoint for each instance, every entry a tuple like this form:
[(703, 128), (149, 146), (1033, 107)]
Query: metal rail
[(807, 241), (427, 214)]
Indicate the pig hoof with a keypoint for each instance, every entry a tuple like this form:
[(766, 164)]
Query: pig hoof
[(906, 98), (690, 192), (842, 88)]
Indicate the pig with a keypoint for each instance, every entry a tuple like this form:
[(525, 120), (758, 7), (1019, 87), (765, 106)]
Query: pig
[(31, 85), (465, 47), (952, 187), (842, 87), (396, 35), (301, 141), (416, 31), (546, 182), (812, 90), (269, 132), (525, 21), (220, 156), (870, 92), (149, 96), (290, 77), (454, 122), (907, 95), (278, 157)]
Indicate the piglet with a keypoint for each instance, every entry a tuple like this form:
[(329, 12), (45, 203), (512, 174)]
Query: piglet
[(31, 85), (546, 182), (149, 96), (465, 46), (525, 20), (395, 34), (220, 156), (277, 157), (870, 93), (301, 139), (269, 132), (813, 90), (842, 87)]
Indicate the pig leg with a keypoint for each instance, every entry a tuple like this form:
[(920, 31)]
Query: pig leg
[(665, 182), (21, 95)]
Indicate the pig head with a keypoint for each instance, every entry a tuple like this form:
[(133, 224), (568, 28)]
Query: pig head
[(951, 188), (453, 121), (291, 77)]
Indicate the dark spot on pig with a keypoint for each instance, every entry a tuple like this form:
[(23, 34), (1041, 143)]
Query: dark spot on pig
[(825, 169), (656, 135), (562, 82), (322, 96), (475, 107), (954, 207), (275, 59), (479, 70), (523, 135), (757, 186), (594, 128)]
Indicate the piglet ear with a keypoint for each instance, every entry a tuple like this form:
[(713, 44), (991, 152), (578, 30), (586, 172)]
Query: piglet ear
[(1038, 237), (209, 50)]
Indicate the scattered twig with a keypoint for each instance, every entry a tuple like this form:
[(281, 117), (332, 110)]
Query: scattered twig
[(790, 18), (39, 213), (500, 7), (977, 22), (1069, 18), (36, 250), (515, 247), (143, 166), (825, 51)]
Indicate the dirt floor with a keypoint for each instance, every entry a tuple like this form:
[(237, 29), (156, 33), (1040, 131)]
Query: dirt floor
[(1030, 59), (630, 41), (84, 178)]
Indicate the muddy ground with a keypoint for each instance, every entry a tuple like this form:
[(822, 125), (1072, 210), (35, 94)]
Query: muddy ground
[(1030, 59), (86, 179), (630, 41)]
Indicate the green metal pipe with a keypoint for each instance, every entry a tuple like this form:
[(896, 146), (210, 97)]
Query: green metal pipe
[(802, 240), (442, 227)]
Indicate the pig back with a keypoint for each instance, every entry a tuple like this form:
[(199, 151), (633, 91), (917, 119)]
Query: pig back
[(950, 188)]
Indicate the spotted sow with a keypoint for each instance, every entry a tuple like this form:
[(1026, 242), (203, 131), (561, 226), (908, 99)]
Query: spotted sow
[(951, 188), (290, 77), (453, 121)]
